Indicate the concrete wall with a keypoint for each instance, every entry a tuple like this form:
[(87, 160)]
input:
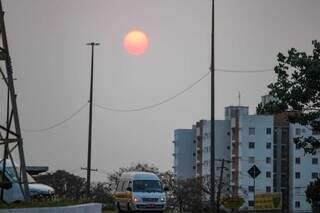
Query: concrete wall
[(85, 208)]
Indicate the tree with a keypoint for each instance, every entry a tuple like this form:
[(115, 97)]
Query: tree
[(101, 193), (313, 195), (187, 195), (65, 184), (113, 178), (297, 92)]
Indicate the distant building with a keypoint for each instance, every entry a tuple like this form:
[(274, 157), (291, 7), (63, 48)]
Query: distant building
[(245, 140), (252, 144), (303, 169), (184, 153)]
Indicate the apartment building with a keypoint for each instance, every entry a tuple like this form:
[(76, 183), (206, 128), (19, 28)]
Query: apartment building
[(252, 139), (303, 168), (184, 153), (203, 141), (265, 141)]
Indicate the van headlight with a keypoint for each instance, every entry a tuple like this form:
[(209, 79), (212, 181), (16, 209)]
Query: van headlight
[(163, 199), (136, 199)]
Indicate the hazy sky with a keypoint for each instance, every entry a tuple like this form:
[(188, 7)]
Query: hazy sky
[(52, 65)]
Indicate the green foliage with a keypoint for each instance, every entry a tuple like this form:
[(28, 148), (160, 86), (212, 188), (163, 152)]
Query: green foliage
[(66, 185), (297, 90), (101, 193), (313, 194), (71, 187), (186, 195)]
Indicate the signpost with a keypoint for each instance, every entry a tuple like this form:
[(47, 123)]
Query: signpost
[(254, 172)]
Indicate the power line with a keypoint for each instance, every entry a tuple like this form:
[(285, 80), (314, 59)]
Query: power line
[(244, 71), (150, 106), (156, 104), (59, 123)]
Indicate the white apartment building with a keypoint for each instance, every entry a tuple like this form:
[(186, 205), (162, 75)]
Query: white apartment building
[(252, 144), (246, 140), (304, 168), (184, 153), (222, 145)]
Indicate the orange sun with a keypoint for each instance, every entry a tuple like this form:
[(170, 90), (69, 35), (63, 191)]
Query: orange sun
[(136, 42)]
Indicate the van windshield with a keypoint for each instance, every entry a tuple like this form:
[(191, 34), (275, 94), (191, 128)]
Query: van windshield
[(147, 186)]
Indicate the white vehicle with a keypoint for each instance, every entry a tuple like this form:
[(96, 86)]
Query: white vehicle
[(140, 191), (11, 188)]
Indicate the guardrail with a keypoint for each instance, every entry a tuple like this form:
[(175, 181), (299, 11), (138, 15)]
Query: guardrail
[(83, 208)]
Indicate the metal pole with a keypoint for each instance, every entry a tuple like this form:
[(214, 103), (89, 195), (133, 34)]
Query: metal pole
[(212, 162), (92, 44), (220, 187)]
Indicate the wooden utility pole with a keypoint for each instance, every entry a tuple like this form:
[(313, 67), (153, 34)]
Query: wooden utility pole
[(92, 44), (220, 186)]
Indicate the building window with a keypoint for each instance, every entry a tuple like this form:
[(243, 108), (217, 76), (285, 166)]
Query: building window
[(251, 160), (303, 130), (251, 188), (252, 131), (268, 160), (268, 174), (268, 188), (251, 145), (314, 160), (314, 175), (297, 175), (268, 131), (297, 160), (251, 203), (297, 204), (298, 131), (315, 132), (268, 145)]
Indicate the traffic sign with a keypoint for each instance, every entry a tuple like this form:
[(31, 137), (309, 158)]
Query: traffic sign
[(233, 202), (254, 171)]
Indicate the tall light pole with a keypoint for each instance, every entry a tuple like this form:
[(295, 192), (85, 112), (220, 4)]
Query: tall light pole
[(212, 150), (92, 44)]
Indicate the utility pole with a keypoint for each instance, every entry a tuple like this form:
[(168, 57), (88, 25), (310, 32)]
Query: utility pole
[(220, 186), (10, 135), (92, 44), (212, 151)]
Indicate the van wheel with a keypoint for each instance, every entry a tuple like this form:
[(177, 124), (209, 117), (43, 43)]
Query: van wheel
[(119, 208)]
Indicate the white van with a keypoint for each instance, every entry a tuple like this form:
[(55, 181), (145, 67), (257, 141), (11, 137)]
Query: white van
[(11, 188), (140, 191)]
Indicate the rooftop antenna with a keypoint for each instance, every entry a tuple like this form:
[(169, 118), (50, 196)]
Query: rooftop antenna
[(10, 133), (239, 96)]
